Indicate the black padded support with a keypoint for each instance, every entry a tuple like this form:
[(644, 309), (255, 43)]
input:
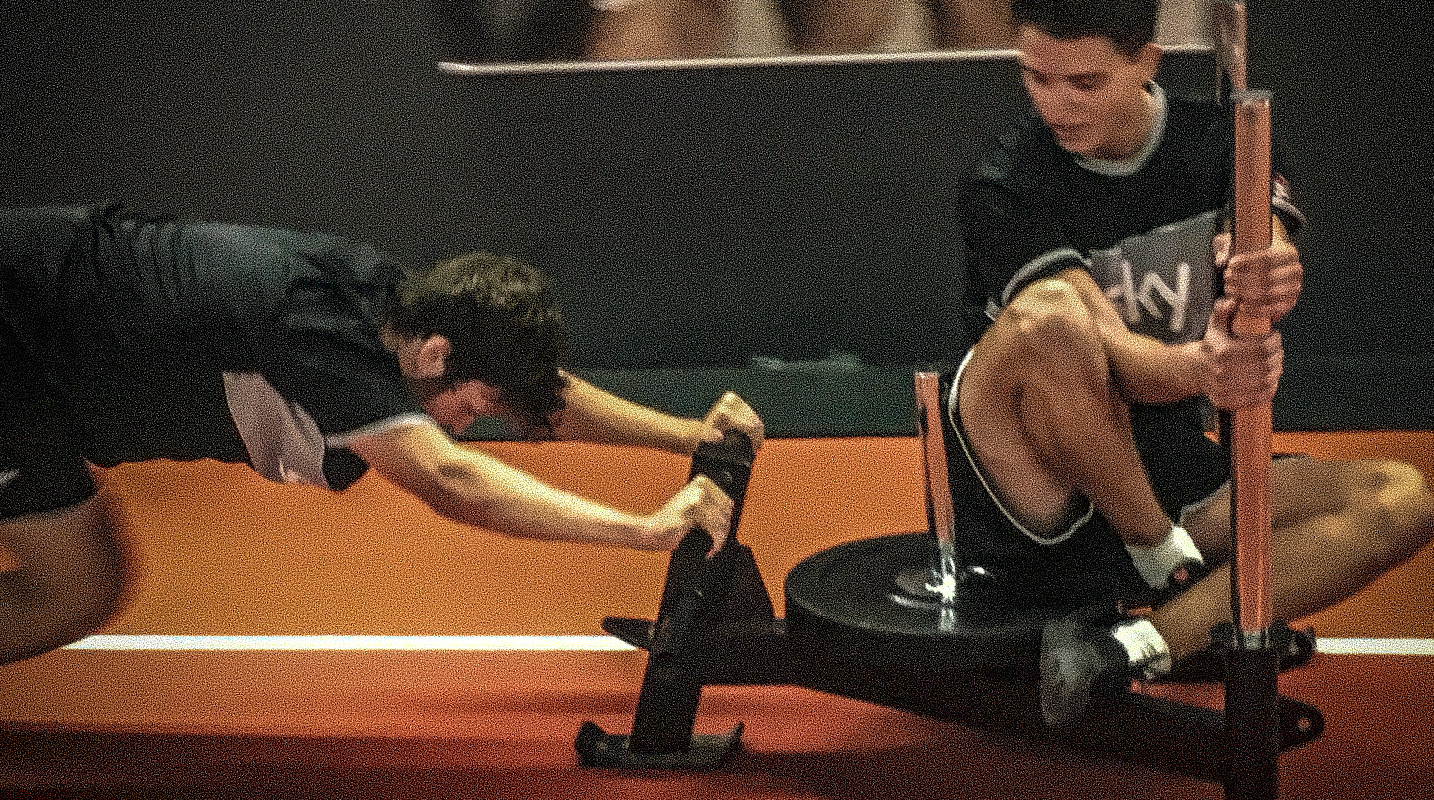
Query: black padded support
[(695, 589), (697, 596), (740, 642)]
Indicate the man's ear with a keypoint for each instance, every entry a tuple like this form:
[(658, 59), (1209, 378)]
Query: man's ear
[(432, 359)]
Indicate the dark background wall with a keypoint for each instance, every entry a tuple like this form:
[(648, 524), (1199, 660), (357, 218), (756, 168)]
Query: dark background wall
[(788, 231), (1360, 352)]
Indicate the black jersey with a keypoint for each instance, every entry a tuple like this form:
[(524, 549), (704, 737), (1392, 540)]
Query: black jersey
[(191, 340), (1141, 228)]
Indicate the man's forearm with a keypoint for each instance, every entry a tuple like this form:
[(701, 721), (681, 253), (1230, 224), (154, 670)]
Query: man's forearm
[(492, 495), (471, 487), (1149, 371), (1146, 369)]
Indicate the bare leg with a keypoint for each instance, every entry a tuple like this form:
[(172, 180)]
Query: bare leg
[(1047, 422), (1338, 525), (70, 578)]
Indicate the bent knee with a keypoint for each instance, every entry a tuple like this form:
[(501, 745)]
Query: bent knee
[(1050, 316), (1399, 493)]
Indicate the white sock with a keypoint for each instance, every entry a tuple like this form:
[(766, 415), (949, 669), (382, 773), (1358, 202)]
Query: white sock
[(1146, 647), (1156, 562)]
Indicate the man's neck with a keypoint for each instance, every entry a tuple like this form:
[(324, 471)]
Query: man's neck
[(1150, 130)]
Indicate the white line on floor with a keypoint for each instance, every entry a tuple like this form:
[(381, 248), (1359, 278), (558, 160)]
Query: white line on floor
[(1377, 647), (1402, 647), (280, 643)]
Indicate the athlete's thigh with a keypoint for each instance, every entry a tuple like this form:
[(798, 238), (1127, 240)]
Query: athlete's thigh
[(989, 393), (1305, 487), (53, 520), (1301, 487), (42, 467)]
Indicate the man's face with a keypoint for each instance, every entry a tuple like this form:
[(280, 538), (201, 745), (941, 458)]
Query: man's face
[(423, 361), (1091, 95), (455, 407)]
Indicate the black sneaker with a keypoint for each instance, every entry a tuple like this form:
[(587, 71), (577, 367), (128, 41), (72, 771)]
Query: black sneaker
[(1080, 659)]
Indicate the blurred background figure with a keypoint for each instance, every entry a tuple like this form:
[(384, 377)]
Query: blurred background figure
[(638, 29), (971, 24), (838, 26), (522, 31), (519, 31), (482, 31)]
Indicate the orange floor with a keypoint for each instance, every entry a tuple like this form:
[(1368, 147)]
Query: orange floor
[(219, 551), (365, 726)]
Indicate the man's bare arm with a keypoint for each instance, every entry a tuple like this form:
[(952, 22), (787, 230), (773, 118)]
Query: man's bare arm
[(471, 487), (1150, 371), (1146, 369), (595, 415)]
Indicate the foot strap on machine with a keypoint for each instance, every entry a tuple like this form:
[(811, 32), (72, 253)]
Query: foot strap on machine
[(598, 748)]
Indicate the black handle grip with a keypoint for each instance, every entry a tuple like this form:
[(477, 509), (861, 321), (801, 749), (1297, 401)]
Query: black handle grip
[(693, 580), (727, 463)]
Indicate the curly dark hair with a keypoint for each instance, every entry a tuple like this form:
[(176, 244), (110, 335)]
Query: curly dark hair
[(503, 322), (1128, 24)]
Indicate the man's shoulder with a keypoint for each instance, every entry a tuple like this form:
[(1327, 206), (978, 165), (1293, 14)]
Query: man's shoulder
[(1022, 155)]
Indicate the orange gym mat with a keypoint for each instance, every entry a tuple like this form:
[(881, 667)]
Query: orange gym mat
[(217, 551)]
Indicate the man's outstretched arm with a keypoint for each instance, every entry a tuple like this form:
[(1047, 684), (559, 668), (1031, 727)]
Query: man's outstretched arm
[(472, 487), (595, 415)]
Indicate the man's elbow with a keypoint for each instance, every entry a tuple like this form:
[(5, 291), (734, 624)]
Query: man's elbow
[(457, 491)]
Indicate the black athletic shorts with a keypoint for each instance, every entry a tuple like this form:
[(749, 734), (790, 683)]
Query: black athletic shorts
[(1087, 563), (42, 466)]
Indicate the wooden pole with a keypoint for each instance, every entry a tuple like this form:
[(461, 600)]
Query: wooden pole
[(1252, 427)]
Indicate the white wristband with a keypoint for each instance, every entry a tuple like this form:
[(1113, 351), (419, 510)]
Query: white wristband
[(1156, 562)]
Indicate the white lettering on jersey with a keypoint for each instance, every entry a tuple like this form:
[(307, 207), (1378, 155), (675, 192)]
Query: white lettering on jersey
[(1161, 282), (1176, 299)]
